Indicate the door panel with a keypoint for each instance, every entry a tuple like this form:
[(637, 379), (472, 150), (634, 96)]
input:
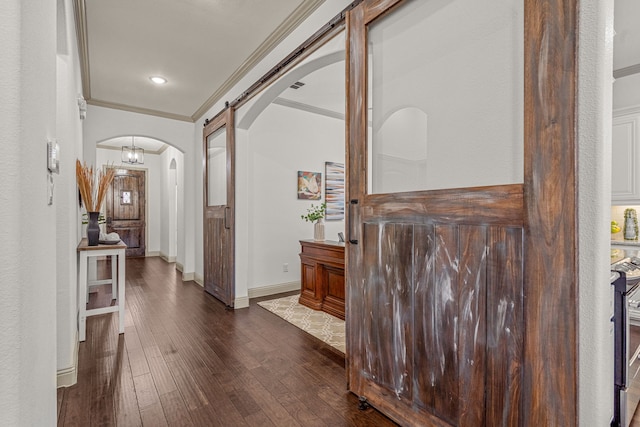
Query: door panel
[(125, 209), (436, 298), (439, 331), (219, 207)]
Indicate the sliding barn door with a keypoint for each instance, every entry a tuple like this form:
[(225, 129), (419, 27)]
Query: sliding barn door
[(453, 219), (219, 207)]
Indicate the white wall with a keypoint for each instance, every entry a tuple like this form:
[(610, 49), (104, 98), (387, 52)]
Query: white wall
[(28, 224), (322, 15), (69, 135), (626, 92), (104, 123), (595, 351), (283, 141), (152, 166), (171, 202)]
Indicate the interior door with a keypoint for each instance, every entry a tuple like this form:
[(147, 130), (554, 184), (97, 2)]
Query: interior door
[(219, 207), (461, 160), (125, 210)]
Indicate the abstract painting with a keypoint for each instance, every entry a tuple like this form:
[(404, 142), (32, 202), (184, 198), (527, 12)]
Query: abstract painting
[(309, 185), (334, 190)]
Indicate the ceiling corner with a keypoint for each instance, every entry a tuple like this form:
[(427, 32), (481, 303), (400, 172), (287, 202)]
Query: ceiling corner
[(301, 13)]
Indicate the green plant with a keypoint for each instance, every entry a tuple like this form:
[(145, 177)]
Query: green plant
[(314, 213)]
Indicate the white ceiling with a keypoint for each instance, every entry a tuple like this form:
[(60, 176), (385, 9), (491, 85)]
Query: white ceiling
[(202, 47)]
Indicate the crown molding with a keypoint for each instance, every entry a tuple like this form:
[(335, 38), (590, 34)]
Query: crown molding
[(140, 110), (301, 13), (80, 11)]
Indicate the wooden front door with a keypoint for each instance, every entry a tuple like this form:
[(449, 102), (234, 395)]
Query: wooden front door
[(219, 207), (461, 274), (125, 209)]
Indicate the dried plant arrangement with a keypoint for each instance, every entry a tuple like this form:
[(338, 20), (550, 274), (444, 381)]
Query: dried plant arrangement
[(93, 186)]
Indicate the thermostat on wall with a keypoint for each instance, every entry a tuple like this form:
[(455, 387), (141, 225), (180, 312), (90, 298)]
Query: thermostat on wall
[(53, 156)]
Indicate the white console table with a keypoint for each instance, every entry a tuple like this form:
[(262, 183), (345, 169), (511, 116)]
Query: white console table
[(117, 281)]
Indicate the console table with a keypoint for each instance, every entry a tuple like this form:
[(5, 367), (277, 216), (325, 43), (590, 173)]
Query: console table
[(117, 280), (322, 276)]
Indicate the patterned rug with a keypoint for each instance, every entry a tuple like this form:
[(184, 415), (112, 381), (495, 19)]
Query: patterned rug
[(321, 325)]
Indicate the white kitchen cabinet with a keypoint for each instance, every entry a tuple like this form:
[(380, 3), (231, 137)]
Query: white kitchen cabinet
[(625, 165)]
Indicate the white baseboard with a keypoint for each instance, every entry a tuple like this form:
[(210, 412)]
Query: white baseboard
[(167, 258), (154, 253), (69, 376), (187, 277), (198, 279), (278, 288), (241, 302)]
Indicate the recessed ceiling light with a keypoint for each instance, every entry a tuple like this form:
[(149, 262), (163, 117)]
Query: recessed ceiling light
[(158, 80)]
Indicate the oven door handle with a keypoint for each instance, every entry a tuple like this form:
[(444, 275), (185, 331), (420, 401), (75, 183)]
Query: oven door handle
[(633, 298)]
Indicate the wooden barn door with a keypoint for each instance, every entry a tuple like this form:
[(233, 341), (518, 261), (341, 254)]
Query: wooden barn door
[(461, 226), (125, 210), (219, 207)]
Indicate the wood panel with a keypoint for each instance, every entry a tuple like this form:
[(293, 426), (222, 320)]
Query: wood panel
[(322, 276), (549, 391), (499, 204), (442, 322), (505, 327), (215, 267), (333, 301), (219, 221), (482, 353), (473, 291), (127, 215)]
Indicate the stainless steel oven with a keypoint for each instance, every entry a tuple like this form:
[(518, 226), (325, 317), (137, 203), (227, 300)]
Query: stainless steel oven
[(626, 350)]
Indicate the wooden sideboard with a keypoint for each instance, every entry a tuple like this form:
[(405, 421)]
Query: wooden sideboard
[(322, 276)]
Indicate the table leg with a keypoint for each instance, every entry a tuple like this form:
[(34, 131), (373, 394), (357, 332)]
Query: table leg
[(114, 269), (82, 297), (121, 285)]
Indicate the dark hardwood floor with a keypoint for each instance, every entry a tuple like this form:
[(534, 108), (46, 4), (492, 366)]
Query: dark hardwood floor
[(184, 360)]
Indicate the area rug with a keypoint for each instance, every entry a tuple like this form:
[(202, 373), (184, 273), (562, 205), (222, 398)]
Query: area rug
[(321, 325)]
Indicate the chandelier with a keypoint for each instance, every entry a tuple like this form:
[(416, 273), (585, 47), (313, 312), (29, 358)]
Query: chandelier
[(132, 154)]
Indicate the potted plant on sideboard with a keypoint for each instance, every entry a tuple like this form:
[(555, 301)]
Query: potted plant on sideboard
[(315, 214)]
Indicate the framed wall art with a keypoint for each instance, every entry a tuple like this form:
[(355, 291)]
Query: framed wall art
[(309, 185), (334, 190)]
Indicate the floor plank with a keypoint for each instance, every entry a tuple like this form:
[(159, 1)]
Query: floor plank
[(185, 360)]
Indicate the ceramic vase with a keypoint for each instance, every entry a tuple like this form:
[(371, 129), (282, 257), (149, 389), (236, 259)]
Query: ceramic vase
[(93, 229), (318, 230), (630, 224)]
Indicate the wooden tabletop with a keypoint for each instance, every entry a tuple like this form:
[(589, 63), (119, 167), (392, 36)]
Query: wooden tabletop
[(84, 246), (322, 242)]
